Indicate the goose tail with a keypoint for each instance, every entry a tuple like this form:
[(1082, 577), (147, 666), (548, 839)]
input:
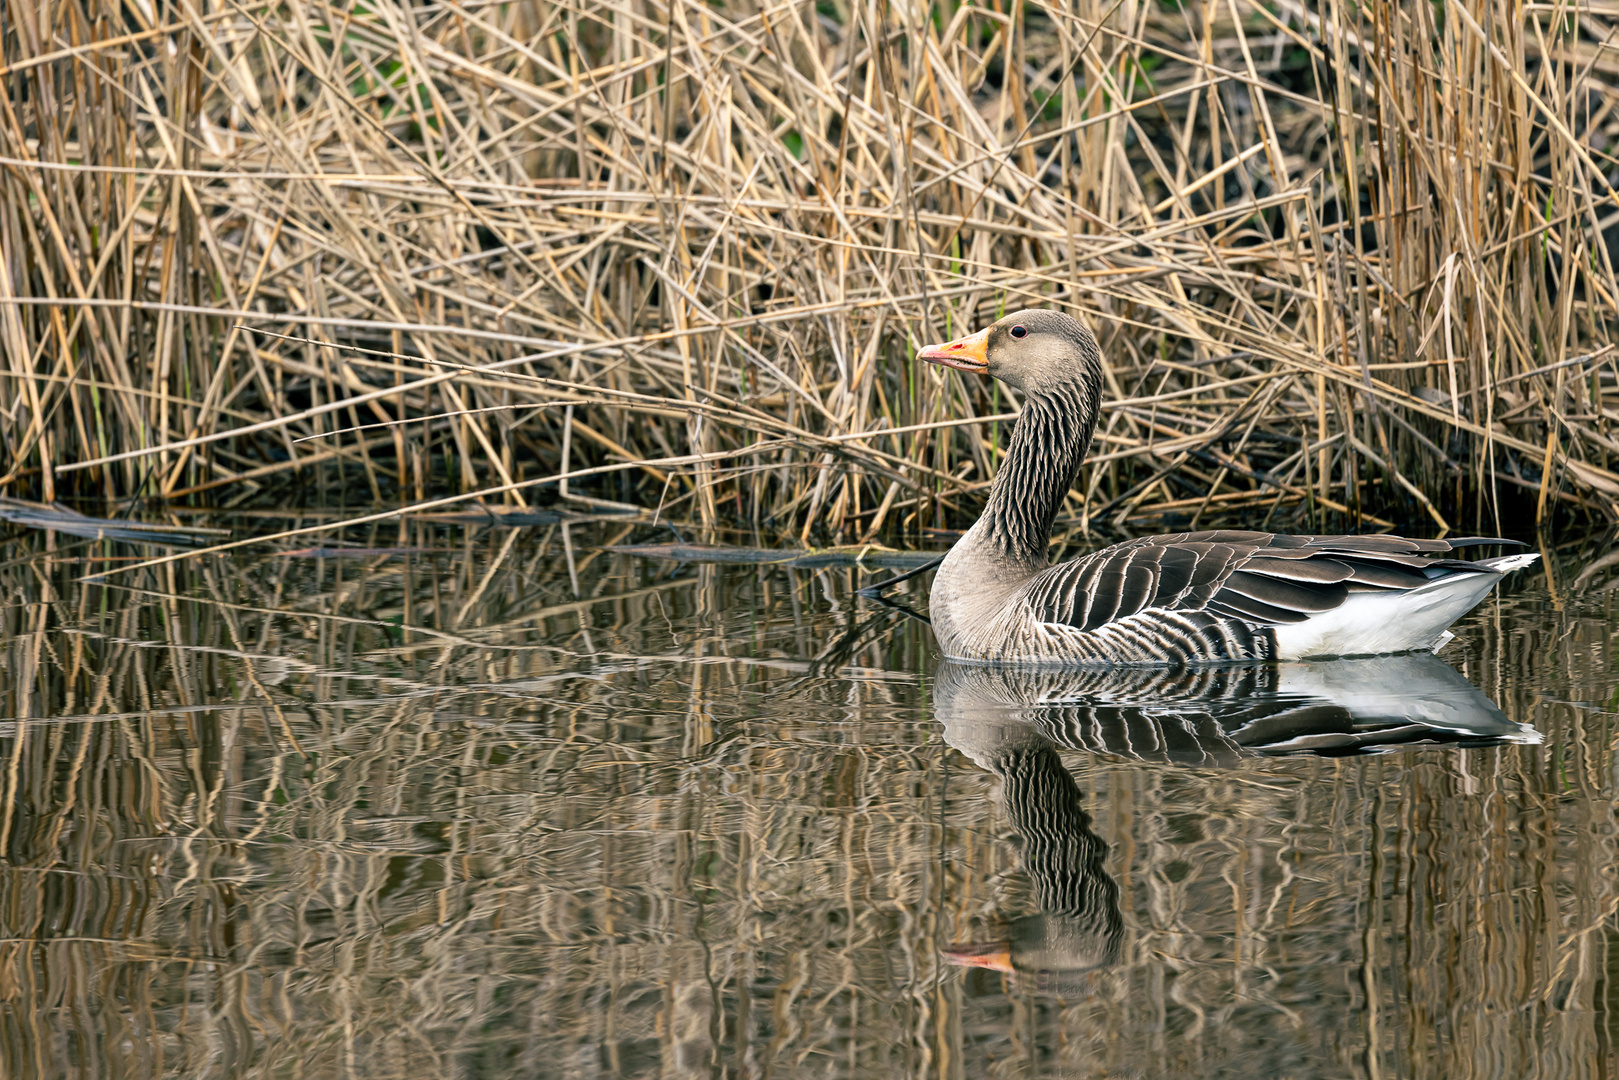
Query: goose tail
[(1506, 564), (1397, 621)]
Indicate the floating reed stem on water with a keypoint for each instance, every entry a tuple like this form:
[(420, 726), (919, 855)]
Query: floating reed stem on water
[(1350, 268)]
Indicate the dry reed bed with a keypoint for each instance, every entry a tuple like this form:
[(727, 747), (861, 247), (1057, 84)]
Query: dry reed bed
[(1343, 263)]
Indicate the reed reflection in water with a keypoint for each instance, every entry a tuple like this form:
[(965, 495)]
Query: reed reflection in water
[(509, 805)]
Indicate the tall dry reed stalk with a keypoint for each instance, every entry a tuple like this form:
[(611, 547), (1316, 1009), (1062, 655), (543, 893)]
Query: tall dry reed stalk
[(1347, 262)]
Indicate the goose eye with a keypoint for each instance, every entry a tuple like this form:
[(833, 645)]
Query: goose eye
[(1020, 331)]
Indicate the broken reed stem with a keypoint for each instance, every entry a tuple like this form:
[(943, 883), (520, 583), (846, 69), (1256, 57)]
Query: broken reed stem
[(657, 235)]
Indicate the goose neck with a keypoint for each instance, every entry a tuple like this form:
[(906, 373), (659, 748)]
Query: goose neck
[(1044, 456)]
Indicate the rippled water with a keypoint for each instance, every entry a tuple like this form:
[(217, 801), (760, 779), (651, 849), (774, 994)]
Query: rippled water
[(508, 804)]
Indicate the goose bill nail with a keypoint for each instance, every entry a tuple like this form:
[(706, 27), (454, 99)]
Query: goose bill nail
[(970, 353)]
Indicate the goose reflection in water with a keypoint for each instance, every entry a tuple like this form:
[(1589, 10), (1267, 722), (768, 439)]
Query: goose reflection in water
[(1012, 722)]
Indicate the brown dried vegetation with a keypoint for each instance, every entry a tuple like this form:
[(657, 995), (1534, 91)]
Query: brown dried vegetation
[(1350, 264)]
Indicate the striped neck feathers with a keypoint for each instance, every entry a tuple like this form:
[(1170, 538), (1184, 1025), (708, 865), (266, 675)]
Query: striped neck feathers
[(1048, 445)]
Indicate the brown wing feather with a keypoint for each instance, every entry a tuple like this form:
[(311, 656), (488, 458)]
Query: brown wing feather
[(1120, 581), (1302, 596), (1322, 570), (1365, 574), (1236, 605)]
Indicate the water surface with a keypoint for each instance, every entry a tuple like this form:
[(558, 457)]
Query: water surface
[(507, 804)]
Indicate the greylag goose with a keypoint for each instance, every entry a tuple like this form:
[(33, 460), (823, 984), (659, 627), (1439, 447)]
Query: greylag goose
[(1185, 598)]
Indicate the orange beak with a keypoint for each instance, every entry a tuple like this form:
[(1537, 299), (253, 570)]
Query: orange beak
[(996, 956), (970, 353)]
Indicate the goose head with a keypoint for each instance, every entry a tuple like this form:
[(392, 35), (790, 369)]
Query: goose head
[(1038, 352)]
